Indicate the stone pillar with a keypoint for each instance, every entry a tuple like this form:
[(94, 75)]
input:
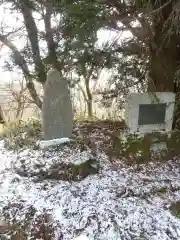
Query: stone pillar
[(57, 115)]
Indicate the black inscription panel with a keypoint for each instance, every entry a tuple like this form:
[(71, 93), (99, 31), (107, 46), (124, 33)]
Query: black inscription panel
[(152, 113)]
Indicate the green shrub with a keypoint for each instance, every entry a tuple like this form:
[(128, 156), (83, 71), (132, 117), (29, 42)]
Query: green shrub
[(22, 133)]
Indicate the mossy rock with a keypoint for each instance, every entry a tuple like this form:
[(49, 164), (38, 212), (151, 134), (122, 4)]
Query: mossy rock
[(62, 171), (136, 148), (70, 172), (174, 142), (175, 209)]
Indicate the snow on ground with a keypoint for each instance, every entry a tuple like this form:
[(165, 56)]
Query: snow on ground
[(120, 203)]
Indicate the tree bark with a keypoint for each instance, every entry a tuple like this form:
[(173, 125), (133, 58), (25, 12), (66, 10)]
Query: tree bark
[(33, 37), (2, 119), (89, 99), (164, 58), (163, 67), (49, 36), (90, 108), (162, 71)]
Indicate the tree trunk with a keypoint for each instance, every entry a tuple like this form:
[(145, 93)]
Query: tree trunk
[(89, 99), (52, 55), (162, 71), (90, 108), (32, 31), (164, 57), (164, 60), (163, 66), (2, 120), (33, 93)]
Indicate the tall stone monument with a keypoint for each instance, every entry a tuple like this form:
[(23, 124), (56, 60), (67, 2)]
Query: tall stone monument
[(57, 115)]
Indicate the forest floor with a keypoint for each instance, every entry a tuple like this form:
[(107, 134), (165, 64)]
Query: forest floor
[(119, 202)]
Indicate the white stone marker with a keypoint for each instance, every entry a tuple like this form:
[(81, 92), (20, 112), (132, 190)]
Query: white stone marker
[(147, 104)]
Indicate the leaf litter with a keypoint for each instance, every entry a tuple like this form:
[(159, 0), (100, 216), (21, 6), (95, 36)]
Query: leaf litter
[(120, 202)]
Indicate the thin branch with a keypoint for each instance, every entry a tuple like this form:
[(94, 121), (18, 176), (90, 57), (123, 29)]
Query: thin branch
[(20, 61), (156, 11)]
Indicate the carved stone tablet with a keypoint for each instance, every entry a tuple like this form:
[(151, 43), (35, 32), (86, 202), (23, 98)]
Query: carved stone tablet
[(144, 115), (57, 116), (152, 114)]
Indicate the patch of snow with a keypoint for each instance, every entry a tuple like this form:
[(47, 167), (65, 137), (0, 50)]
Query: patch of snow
[(121, 202), (82, 237), (81, 157)]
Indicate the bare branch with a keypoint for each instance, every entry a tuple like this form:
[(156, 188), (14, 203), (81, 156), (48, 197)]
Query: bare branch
[(20, 61), (127, 15), (156, 11)]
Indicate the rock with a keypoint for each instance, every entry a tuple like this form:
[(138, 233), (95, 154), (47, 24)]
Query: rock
[(53, 142), (60, 170), (175, 209), (69, 172)]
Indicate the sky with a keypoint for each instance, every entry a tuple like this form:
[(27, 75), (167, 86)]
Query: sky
[(8, 21)]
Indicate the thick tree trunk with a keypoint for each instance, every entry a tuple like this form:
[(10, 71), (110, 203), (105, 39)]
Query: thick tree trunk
[(163, 66), (162, 58), (162, 70)]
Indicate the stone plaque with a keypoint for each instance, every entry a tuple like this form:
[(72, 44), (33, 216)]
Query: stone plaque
[(152, 114)]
